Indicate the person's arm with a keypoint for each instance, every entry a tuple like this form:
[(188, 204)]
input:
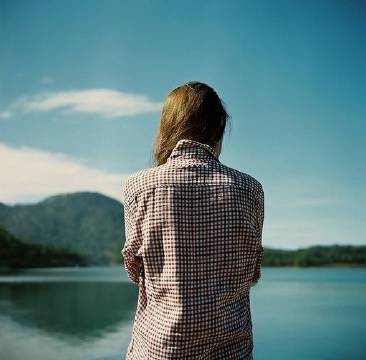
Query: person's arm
[(260, 219), (132, 249)]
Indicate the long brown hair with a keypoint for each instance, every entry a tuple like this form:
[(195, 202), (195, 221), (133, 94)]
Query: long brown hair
[(191, 111)]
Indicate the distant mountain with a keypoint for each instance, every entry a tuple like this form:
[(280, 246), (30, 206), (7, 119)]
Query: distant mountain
[(88, 223), (15, 253)]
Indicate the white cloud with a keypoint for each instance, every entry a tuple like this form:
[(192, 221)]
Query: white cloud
[(106, 103), (5, 114), (29, 174), (46, 80)]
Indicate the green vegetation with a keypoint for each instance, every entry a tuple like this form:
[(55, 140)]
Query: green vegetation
[(87, 223), (331, 255), (15, 253)]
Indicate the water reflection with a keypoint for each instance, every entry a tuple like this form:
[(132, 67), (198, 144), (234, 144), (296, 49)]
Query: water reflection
[(77, 309), (84, 314), (18, 342)]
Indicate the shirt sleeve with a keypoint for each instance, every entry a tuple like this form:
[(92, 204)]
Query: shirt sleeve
[(132, 249), (260, 219)]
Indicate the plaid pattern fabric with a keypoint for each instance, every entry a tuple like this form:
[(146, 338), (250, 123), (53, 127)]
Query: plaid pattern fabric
[(194, 247)]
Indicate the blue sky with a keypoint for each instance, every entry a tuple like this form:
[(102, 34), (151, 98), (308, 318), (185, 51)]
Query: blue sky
[(82, 84)]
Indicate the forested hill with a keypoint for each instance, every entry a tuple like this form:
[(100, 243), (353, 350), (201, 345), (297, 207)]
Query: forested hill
[(330, 255), (85, 222), (15, 253)]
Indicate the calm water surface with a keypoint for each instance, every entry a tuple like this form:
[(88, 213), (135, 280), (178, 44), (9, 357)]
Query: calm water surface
[(87, 313)]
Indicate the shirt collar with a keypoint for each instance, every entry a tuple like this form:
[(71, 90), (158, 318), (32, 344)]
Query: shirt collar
[(191, 148)]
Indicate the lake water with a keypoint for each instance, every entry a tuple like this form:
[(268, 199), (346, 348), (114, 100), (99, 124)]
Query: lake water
[(87, 313)]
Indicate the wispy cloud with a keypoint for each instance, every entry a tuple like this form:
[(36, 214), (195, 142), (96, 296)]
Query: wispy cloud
[(306, 209), (46, 80), (304, 191), (5, 114), (29, 174), (106, 103)]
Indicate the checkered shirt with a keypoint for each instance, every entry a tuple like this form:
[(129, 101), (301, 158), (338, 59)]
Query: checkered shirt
[(193, 245)]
